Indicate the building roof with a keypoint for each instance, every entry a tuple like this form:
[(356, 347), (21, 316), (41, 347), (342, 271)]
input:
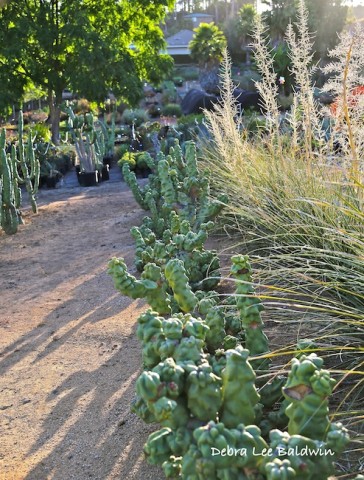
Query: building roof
[(198, 15), (183, 37)]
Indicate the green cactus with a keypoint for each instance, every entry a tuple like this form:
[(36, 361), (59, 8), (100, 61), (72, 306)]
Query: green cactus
[(131, 181), (279, 470), (157, 449), (199, 372), (180, 441), (108, 138), (337, 437), (86, 140), (9, 213), (249, 307), (239, 392), (307, 388), (241, 447), (214, 319), (167, 181), (310, 459), (172, 375), (204, 396), (29, 164), (189, 350), (151, 286), (140, 408), (156, 288), (210, 209), (177, 279), (14, 171), (271, 391), (159, 397), (172, 467), (191, 464)]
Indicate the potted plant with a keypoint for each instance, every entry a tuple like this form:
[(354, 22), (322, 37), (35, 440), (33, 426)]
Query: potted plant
[(88, 148), (50, 174)]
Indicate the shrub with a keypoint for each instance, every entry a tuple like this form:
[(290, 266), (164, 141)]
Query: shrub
[(82, 106), (189, 126), (169, 93), (134, 160), (172, 110), (120, 150), (189, 73), (134, 117), (41, 132), (178, 81), (129, 158)]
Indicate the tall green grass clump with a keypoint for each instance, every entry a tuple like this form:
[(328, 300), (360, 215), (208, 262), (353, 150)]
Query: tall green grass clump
[(296, 195)]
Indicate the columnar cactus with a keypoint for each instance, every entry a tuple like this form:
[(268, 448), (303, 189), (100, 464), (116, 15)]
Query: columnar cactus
[(204, 394), (20, 167), (9, 214), (309, 459), (131, 181), (24, 156), (86, 140)]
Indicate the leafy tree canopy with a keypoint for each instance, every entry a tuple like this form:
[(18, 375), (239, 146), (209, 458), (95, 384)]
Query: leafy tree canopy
[(326, 19), (89, 46), (238, 29)]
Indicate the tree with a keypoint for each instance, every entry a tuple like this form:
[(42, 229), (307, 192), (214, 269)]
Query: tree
[(326, 19), (207, 47), (281, 13), (90, 46), (238, 29)]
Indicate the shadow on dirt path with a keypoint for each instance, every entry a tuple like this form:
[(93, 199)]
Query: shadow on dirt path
[(69, 356)]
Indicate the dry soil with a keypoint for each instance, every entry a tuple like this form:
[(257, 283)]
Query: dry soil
[(69, 356)]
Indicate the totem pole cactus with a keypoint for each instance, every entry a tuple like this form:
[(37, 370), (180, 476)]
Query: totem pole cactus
[(307, 388), (177, 279), (199, 383), (239, 393), (249, 306)]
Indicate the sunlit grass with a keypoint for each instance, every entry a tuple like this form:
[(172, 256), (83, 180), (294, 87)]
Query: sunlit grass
[(299, 213)]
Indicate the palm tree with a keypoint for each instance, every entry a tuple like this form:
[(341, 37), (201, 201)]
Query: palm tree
[(207, 47)]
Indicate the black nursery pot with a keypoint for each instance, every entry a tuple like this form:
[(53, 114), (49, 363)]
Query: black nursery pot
[(51, 182), (107, 160), (42, 180), (88, 179), (105, 173)]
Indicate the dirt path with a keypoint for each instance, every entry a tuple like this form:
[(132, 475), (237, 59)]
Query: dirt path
[(69, 356)]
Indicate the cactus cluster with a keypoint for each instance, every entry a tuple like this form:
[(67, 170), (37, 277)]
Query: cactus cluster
[(90, 143), (206, 359), (20, 167)]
